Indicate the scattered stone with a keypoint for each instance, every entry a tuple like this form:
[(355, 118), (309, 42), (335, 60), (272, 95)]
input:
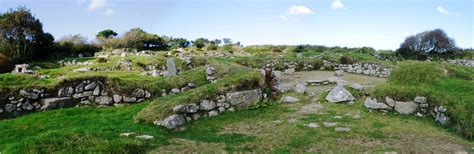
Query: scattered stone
[(129, 99), (145, 137), (289, 99), (339, 94), (420, 99), (54, 103), (196, 116), (312, 125), (172, 121), (329, 124), (339, 73), (371, 103), (128, 134), (405, 107), (390, 102), (342, 129), (82, 70), (27, 106), (90, 86), (357, 86), (147, 94), (244, 98), (300, 88), (29, 95)]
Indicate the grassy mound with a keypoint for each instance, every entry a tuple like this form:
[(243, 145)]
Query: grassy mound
[(453, 89), (238, 78)]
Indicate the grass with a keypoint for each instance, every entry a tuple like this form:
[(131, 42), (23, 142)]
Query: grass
[(454, 90)]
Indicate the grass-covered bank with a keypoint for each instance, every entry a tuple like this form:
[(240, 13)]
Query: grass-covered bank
[(443, 84)]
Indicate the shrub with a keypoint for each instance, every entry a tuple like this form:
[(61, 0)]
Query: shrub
[(6, 64), (102, 60), (416, 72), (276, 49), (345, 60)]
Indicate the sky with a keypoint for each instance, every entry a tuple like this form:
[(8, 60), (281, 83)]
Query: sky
[(382, 24)]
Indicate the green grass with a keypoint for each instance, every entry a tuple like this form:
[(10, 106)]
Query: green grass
[(454, 90)]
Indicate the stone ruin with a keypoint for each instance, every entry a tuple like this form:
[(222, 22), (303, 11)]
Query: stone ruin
[(22, 68)]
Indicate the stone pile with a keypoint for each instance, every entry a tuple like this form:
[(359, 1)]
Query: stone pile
[(464, 62), (74, 63), (184, 113)]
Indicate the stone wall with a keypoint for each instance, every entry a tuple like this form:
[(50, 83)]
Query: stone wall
[(95, 91), (229, 102), (370, 69), (464, 62)]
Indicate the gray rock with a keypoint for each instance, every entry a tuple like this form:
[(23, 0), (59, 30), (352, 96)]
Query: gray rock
[(440, 109), (283, 87), (96, 91), (289, 99), (139, 93), (27, 106), (1, 111), (290, 71), (175, 90), (90, 86), (29, 95), (82, 95), (117, 98), (207, 105), (339, 73), (244, 98), (82, 70), (300, 88), (186, 108), (339, 94), (442, 118), (371, 103), (342, 129), (196, 116), (129, 99), (104, 100), (145, 137), (128, 134), (66, 91), (329, 124), (231, 109), (405, 107), (213, 113), (171, 67), (147, 94), (312, 125), (80, 88), (172, 121), (357, 86), (221, 109), (54, 103), (390, 102), (425, 105), (420, 99)]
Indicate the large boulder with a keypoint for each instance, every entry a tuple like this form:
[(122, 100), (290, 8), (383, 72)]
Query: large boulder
[(339, 94), (207, 105), (371, 103), (405, 107), (244, 98), (289, 99), (54, 103), (300, 87), (104, 100), (172, 121)]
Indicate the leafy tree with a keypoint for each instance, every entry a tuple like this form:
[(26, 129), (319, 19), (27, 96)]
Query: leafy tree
[(135, 38), (20, 31), (106, 34), (200, 42), (434, 43), (227, 41), (73, 39), (179, 43)]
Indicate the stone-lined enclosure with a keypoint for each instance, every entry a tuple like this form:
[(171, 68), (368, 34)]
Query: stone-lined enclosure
[(208, 108), (94, 91)]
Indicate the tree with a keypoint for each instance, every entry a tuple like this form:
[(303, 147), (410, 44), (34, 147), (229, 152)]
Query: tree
[(200, 42), (434, 43), (135, 38), (106, 34), (179, 43), (19, 33), (227, 41)]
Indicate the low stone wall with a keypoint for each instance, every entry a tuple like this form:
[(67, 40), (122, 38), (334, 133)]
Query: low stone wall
[(95, 91), (464, 62), (232, 101), (370, 69)]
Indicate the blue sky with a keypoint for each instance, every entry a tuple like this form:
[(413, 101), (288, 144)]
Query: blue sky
[(382, 24)]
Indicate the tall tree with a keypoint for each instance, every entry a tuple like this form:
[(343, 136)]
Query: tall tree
[(200, 42), (429, 43), (179, 43), (106, 34), (19, 32)]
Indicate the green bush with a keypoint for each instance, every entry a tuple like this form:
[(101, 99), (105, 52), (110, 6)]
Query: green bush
[(345, 60), (6, 64), (416, 72), (102, 60)]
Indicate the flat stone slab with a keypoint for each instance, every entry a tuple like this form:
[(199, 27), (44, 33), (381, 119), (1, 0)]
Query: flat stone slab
[(342, 129), (329, 124)]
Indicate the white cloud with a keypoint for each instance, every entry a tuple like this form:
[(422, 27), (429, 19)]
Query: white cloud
[(97, 4), (109, 12), (298, 9), (337, 4), (444, 11)]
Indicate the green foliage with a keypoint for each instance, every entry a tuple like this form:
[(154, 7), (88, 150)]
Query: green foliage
[(345, 60), (20, 33), (415, 72), (434, 43), (6, 64), (179, 43), (106, 34), (200, 42)]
